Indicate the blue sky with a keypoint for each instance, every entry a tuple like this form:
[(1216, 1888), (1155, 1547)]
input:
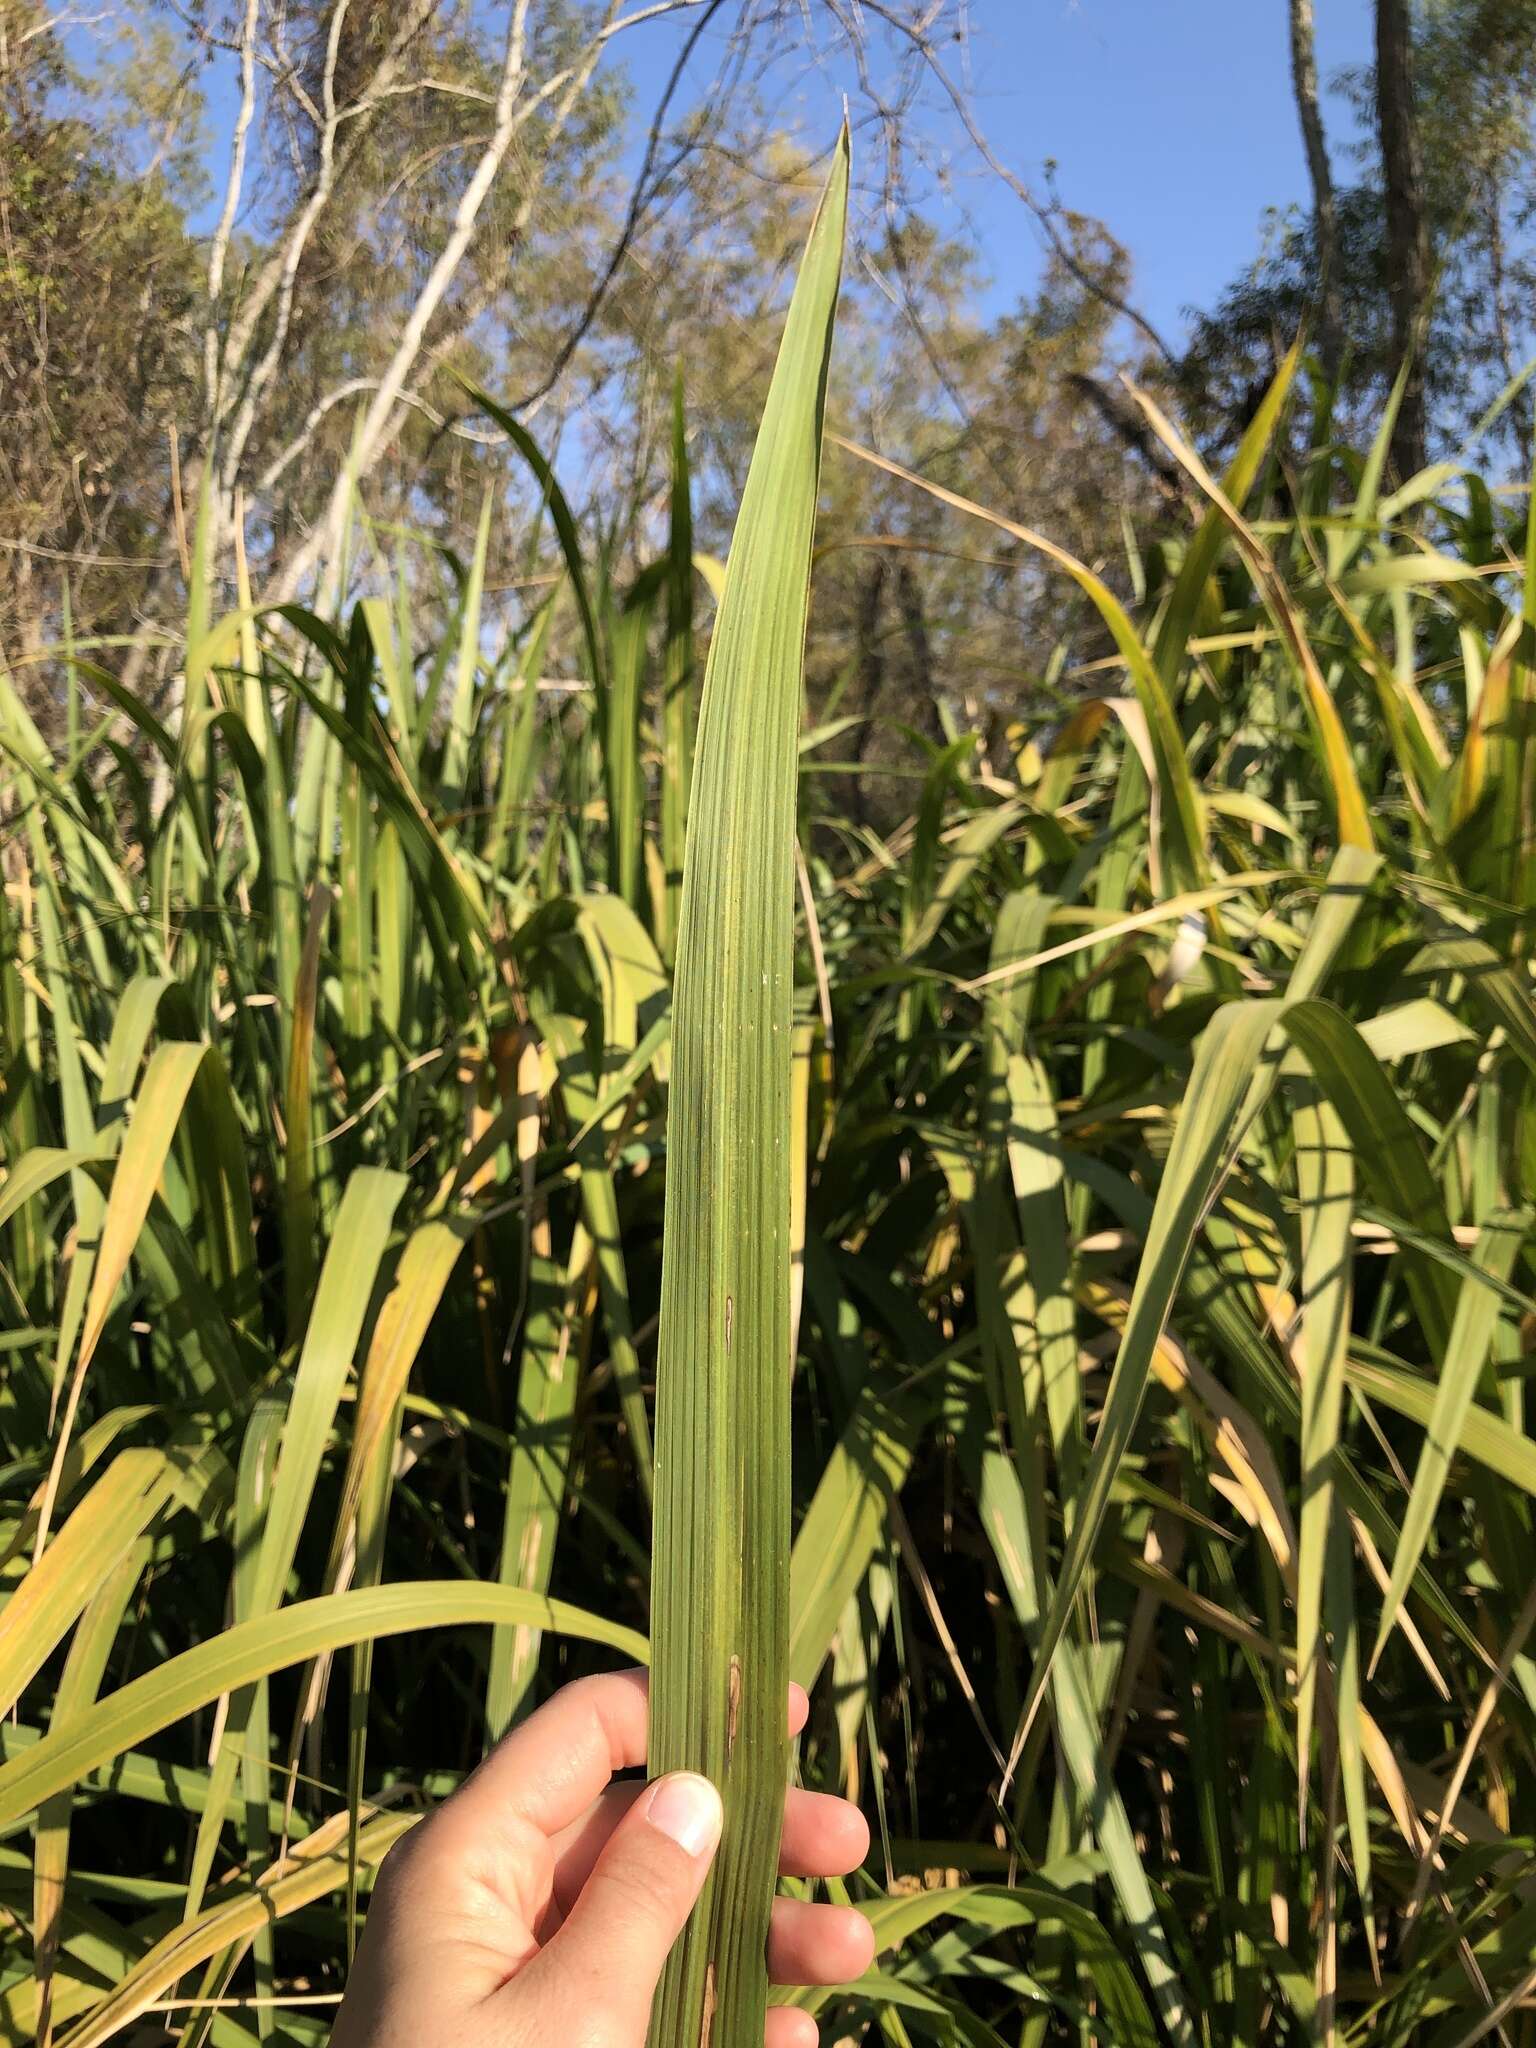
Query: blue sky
[(1172, 120)]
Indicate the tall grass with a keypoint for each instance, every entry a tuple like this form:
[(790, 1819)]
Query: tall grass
[(1158, 1142), (720, 1571)]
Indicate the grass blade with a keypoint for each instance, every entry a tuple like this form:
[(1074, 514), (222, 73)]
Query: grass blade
[(276, 1642), (1466, 1354), (1325, 1183), (720, 1599)]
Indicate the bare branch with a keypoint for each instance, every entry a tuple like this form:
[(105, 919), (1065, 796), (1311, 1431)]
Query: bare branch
[(1043, 213), (513, 112), (219, 249), (1324, 209), (282, 264), (82, 557), (647, 184), (353, 388), (54, 24), (445, 86)]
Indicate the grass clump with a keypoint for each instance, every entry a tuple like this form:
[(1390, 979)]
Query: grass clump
[(1102, 1265)]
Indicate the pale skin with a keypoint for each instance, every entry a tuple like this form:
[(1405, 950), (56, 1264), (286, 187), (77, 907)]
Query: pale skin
[(539, 1904)]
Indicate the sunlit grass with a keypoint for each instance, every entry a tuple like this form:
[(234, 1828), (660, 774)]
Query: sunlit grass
[(1130, 1147)]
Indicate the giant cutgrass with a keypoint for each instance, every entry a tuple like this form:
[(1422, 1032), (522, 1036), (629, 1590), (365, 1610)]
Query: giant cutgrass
[(720, 1577), (1162, 1386)]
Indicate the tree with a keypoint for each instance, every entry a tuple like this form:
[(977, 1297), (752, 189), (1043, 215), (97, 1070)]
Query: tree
[(417, 199), (1433, 253), (1476, 66), (1324, 209), (97, 289), (407, 196), (1407, 232)]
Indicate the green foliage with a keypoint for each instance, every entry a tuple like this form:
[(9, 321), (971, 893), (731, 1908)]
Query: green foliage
[(98, 293), (1159, 1156), (720, 1576), (1474, 71)]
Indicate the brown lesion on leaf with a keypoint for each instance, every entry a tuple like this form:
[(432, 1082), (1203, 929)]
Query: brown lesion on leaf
[(732, 1705), (707, 2016), (730, 1317)]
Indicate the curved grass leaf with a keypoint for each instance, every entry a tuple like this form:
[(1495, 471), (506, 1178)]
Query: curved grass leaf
[(254, 1649), (1465, 1357)]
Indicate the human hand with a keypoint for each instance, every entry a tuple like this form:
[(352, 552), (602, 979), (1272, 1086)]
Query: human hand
[(539, 1903)]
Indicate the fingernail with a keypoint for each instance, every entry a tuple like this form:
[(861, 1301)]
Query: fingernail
[(687, 1808)]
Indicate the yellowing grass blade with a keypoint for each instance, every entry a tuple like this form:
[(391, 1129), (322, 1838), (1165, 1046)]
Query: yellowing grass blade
[(1183, 833), (275, 1642), (34, 1171), (316, 1867), (139, 1167), (1170, 650), (1325, 1174), (1229, 1052), (341, 1302), (1476, 1318), (1350, 809), (720, 1600), (426, 1264), (123, 1503), (78, 1683)]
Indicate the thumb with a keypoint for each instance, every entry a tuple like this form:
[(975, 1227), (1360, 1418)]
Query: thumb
[(618, 1934)]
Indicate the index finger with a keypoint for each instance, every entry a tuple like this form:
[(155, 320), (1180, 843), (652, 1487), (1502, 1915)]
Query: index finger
[(552, 1768)]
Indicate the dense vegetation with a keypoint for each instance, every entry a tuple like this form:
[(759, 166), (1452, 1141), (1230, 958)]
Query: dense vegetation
[(213, 266), (1159, 1136)]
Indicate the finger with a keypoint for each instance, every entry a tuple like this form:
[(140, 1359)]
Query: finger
[(788, 2027), (578, 1847), (823, 1836), (552, 1767), (630, 1911), (826, 1838), (557, 1763), (810, 1944)]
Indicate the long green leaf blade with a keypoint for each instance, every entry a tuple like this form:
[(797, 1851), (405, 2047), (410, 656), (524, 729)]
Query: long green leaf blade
[(720, 1598)]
